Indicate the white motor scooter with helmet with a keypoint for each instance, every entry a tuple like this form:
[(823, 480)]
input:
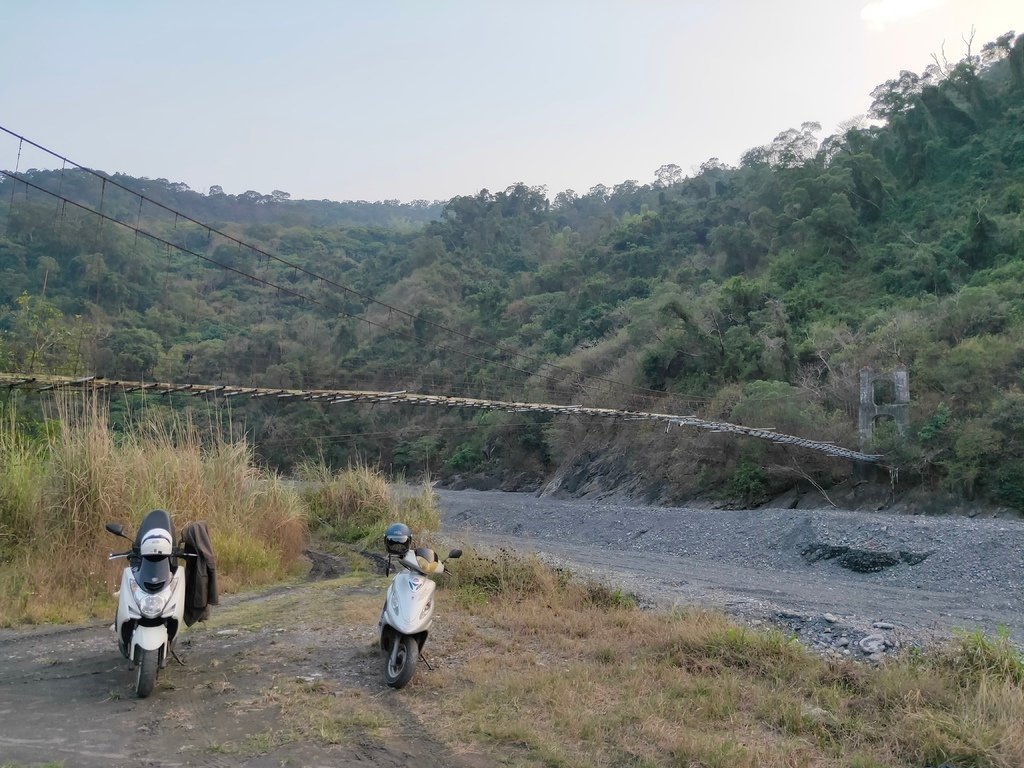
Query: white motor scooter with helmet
[(408, 611), (151, 598)]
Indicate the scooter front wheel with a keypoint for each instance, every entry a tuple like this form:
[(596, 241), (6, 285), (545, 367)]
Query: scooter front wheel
[(400, 662), (145, 672)]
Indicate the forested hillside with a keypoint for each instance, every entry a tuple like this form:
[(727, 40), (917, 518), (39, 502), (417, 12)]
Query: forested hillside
[(753, 294)]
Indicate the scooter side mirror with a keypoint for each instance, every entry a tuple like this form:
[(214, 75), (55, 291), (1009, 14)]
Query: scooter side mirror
[(115, 528), (455, 553)]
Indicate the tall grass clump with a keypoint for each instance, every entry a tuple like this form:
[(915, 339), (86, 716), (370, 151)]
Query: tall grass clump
[(974, 656), (84, 475), (357, 504), (21, 465)]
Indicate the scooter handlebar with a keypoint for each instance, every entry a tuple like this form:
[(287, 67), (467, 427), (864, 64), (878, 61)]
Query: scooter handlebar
[(133, 553)]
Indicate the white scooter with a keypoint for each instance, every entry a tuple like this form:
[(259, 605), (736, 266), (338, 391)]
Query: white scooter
[(408, 609), (151, 599)]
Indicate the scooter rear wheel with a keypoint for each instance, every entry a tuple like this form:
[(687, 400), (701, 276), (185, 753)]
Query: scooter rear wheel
[(145, 673), (400, 662)]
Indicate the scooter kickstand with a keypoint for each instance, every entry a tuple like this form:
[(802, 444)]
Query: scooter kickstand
[(424, 660)]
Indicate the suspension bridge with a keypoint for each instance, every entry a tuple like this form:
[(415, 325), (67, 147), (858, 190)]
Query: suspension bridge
[(46, 383)]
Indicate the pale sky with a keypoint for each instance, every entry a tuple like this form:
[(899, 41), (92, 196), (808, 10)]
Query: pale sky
[(386, 99)]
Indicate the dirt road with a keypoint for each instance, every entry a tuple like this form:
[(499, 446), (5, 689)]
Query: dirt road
[(288, 678)]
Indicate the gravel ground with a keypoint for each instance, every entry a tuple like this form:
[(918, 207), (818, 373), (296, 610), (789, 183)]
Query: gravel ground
[(846, 583)]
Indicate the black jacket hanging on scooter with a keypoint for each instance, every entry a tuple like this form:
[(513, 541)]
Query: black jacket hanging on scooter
[(200, 573)]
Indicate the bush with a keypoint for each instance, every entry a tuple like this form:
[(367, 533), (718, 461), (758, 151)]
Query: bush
[(1010, 485), (749, 482), (465, 459), (783, 407)]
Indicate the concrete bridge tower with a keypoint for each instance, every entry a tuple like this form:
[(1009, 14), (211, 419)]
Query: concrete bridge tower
[(898, 408)]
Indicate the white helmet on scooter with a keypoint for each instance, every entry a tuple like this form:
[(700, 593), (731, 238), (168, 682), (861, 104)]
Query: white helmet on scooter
[(156, 541)]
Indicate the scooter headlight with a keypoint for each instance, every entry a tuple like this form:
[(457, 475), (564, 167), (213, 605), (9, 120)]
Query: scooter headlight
[(150, 605)]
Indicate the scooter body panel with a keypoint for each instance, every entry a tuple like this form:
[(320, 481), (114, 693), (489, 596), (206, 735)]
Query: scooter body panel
[(409, 604), (149, 638)]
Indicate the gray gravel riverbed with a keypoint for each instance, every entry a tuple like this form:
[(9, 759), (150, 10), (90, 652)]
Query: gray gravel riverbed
[(857, 584)]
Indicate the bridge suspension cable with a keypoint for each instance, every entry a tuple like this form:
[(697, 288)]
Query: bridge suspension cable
[(42, 383), (270, 284), (653, 393), (137, 230)]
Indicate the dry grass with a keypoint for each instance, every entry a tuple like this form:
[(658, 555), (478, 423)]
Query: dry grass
[(559, 673), (358, 504), (60, 493)]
